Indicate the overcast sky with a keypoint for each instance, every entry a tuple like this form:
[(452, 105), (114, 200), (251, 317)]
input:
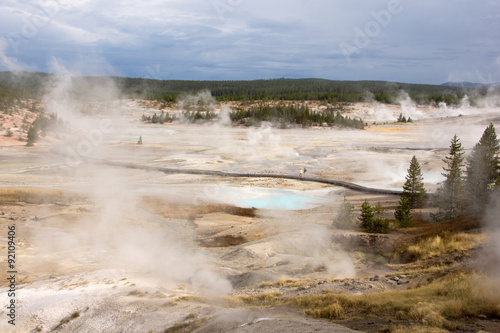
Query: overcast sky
[(421, 41)]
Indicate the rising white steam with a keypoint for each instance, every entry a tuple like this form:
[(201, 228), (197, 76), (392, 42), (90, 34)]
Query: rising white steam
[(203, 99), (120, 235)]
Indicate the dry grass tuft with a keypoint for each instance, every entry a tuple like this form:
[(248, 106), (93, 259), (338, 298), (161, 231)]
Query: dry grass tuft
[(300, 283), (290, 283), (417, 329), (427, 314), (266, 284), (332, 311), (190, 323), (283, 282), (170, 303), (137, 293), (67, 319), (271, 298)]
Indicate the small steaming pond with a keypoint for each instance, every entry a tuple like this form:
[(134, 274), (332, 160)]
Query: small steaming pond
[(266, 198)]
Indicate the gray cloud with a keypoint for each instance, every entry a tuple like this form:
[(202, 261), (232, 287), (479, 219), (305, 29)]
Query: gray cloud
[(426, 41)]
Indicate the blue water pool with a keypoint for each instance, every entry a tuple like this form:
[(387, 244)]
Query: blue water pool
[(281, 200)]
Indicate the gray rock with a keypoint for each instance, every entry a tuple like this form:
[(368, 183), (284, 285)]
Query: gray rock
[(282, 263)]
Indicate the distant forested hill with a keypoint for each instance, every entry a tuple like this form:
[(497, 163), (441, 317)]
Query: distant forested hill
[(294, 89), (465, 84), (30, 85)]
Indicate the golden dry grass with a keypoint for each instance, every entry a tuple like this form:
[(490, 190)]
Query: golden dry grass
[(266, 284), (190, 323), (444, 243), (434, 305), (267, 299), (300, 283), (417, 329), (36, 196), (283, 282), (427, 314), (291, 283), (332, 311), (417, 270)]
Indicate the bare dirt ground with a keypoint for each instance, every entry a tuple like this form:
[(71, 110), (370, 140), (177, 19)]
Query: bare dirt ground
[(107, 249)]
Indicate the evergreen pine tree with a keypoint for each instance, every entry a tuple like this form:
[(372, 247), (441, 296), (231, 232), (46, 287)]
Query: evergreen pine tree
[(451, 198), (345, 219), (483, 168), (32, 136), (367, 217), (401, 118), (139, 142), (403, 212), (413, 188), (380, 223)]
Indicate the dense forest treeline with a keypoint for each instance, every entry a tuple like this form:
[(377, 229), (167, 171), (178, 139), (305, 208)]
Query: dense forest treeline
[(281, 115), (298, 89), (15, 90), (30, 85), (292, 114)]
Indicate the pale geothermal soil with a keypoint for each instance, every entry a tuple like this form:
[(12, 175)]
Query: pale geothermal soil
[(123, 247)]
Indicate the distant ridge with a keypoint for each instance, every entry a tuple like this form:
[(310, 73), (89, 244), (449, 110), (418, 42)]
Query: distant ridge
[(466, 84), (21, 85)]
